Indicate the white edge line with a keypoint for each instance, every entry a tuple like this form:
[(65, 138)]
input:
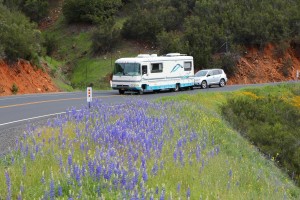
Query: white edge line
[(22, 120)]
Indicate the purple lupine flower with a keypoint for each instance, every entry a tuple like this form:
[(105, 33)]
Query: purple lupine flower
[(181, 156), (198, 153), (98, 171), (178, 187), (36, 148), (8, 185), (162, 195), (143, 160), (151, 197), (60, 163), (156, 190), (52, 190), (70, 160), (116, 183), (123, 178), (230, 173), (155, 169), (83, 168), (60, 191), (77, 173), (188, 193), (175, 155), (24, 169), (217, 150), (145, 175)]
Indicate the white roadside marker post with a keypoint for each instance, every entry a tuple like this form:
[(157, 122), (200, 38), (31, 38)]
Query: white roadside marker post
[(89, 95)]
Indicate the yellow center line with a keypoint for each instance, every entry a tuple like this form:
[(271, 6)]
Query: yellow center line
[(49, 101)]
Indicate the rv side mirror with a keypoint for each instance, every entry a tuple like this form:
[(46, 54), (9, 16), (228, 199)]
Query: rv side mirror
[(208, 75)]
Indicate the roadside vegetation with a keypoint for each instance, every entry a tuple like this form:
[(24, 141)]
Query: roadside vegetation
[(270, 119), (176, 147)]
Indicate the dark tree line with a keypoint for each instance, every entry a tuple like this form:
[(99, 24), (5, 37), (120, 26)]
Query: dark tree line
[(203, 28)]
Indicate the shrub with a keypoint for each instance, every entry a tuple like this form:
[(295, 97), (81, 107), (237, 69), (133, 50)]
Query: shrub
[(169, 42), (14, 89), (36, 9), (18, 36), (104, 39), (90, 11), (142, 28), (50, 42), (286, 67), (271, 123), (281, 49)]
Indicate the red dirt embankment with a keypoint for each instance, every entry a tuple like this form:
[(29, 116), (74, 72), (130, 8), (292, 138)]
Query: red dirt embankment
[(27, 78), (263, 66)]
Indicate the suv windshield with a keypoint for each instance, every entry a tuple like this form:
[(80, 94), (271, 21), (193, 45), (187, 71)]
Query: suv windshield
[(201, 73), (127, 69)]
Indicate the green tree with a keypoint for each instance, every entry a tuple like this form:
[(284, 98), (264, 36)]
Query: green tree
[(170, 42), (18, 36), (90, 11), (36, 9), (142, 28), (105, 38)]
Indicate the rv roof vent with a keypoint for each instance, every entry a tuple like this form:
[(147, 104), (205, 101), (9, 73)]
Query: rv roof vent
[(173, 54), (143, 56)]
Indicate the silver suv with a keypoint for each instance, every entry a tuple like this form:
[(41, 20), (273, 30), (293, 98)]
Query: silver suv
[(207, 77)]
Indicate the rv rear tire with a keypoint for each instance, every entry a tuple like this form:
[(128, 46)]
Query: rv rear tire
[(141, 92), (176, 89)]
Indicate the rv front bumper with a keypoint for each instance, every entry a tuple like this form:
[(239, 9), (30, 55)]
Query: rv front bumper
[(131, 87)]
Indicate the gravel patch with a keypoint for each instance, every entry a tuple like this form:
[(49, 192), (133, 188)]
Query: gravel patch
[(8, 135)]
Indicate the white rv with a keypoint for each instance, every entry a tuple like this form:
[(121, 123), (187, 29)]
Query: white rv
[(147, 72)]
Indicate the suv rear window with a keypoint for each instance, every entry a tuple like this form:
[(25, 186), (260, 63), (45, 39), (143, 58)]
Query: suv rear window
[(217, 71)]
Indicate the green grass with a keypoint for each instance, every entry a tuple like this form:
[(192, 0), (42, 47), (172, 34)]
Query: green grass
[(55, 72)]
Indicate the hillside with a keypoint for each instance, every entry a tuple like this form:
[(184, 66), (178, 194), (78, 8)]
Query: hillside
[(254, 67), (27, 78), (263, 66)]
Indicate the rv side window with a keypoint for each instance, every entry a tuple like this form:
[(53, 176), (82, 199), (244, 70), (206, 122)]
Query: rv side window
[(187, 66), (156, 67)]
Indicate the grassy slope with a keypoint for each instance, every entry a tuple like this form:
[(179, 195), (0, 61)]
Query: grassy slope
[(237, 171), (74, 55)]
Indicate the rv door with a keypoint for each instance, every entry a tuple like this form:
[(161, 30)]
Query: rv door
[(144, 70)]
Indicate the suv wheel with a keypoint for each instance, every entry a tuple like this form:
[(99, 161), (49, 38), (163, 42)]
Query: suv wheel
[(222, 83), (203, 84)]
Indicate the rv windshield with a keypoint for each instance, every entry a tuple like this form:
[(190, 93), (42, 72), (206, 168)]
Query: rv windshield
[(127, 69)]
